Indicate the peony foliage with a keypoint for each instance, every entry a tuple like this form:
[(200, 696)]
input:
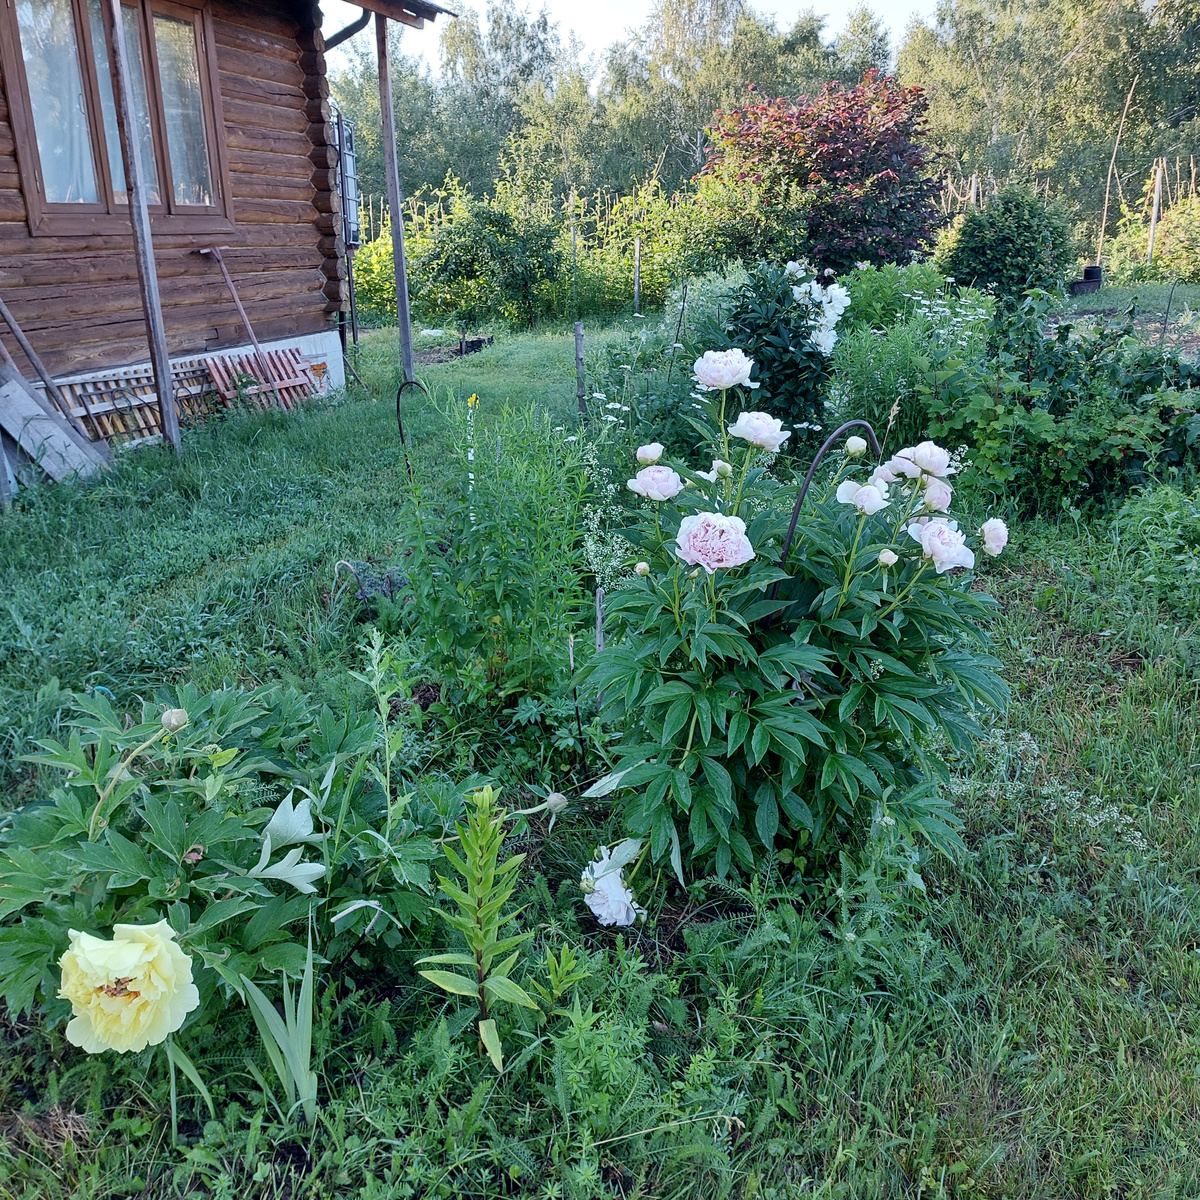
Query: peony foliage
[(780, 710)]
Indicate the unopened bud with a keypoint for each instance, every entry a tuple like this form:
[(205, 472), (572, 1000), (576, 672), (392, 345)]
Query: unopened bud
[(722, 468), (174, 719), (643, 568), (556, 802), (856, 447)]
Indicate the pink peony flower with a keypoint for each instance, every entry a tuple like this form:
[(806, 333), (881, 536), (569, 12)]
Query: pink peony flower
[(937, 495), (716, 370), (713, 541), (881, 477), (867, 498), (943, 543), (995, 536), (656, 483), (649, 455), (760, 429)]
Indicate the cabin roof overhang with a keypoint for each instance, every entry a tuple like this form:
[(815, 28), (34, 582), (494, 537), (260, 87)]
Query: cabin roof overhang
[(408, 12)]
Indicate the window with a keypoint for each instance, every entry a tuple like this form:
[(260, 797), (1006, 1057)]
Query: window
[(65, 118)]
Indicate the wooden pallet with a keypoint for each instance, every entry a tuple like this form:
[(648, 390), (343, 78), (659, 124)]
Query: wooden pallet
[(289, 377), (121, 405)]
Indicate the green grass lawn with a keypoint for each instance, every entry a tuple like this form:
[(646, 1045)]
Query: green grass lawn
[(1031, 1029)]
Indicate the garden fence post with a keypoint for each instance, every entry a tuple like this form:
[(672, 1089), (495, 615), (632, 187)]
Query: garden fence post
[(637, 276), (580, 377)]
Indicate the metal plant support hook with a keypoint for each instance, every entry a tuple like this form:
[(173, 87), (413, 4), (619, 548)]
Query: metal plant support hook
[(872, 440)]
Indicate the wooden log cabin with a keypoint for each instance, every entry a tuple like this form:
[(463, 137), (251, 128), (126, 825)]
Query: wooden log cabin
[(237, 150)]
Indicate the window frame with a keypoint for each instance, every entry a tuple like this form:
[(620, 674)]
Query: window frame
[(107, 216)]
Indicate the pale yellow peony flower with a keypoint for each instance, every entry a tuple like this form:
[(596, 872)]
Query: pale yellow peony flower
[(129, 993)]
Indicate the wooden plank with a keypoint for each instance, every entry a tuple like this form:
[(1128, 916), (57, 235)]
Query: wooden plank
[(139, 220), (44, 440)]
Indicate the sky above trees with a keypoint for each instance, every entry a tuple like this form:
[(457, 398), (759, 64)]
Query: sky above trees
[(599, 25)]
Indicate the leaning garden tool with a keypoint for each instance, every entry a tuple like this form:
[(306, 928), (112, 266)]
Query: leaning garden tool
[(264, 365)]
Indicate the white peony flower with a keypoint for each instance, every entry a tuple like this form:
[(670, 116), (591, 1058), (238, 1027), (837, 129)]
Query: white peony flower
[(867, 498), (823, 340), (716, 370), (760, 429), (649, 455), (888, 558), (995, 536), (656, 483), (604, 889)]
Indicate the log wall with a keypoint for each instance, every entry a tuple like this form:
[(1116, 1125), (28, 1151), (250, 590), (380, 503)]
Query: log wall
[(78, 298)]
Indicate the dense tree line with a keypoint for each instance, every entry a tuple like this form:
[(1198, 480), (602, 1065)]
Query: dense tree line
[(1024, 90)]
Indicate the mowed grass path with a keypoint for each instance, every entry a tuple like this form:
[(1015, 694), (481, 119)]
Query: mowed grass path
[(1062, 1055), (221, 563)]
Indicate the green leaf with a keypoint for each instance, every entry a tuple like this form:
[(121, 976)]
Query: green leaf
[(449, 960), (489, 1035), (456, 985), (503, 988)]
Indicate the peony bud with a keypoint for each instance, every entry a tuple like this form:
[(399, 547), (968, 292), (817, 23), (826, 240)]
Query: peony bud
[(856, 447), (650, 454), (643, 568), (888, 558), (174, 719), (722, 468), (556, 802)]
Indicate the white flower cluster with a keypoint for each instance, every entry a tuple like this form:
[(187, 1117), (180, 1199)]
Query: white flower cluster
[(828, 301), (606, 552)]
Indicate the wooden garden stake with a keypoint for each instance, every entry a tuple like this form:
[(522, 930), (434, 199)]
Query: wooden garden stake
[(1111, 166), (637, 276), (395, 198), (1155, 209), (263, 363), (125, 102), (580, 377)]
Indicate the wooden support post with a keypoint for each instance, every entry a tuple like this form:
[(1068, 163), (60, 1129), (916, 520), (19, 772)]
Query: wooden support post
[(637, 276), (139, 220), (1156, 207), (395, 198), (580, 376)]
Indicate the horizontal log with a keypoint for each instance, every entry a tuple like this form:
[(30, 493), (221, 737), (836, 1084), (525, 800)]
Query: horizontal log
[(294, 169), (270, 118), (324, 158)]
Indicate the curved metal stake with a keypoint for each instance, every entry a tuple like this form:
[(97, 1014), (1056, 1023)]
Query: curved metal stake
[(413, 383), (872, 440)]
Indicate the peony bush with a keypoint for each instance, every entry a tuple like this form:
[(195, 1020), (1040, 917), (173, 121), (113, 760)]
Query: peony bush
[(779, 691)]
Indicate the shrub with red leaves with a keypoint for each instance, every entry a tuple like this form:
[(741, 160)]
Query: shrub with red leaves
[(852, 158)]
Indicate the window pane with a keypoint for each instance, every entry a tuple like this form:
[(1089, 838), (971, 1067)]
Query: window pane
[(183, 107), (112, 135), (60, 120)]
